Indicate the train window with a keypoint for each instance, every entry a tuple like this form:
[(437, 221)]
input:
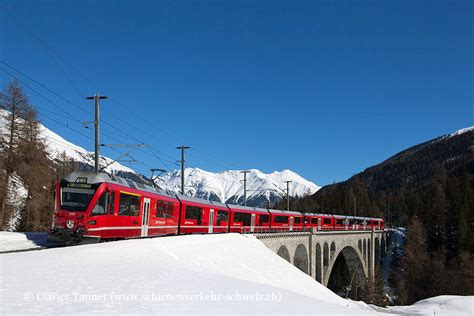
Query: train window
[(297, 220), (164, 209), (75, 199), (245, 218), (100, 207), (112, 203), (264, 219), (281, 219), (327, 221), (339, 222), (193, 212), (222, 216), (129, 205), (314, 221)]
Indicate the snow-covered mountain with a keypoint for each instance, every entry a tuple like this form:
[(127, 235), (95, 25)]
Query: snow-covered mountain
[(227, 186)]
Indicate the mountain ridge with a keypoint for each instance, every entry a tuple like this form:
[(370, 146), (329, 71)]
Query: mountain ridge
[(263, 189)]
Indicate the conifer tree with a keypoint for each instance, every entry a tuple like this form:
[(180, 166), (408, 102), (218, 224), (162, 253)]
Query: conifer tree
[(415, 260), (15, 102), (373, 291)]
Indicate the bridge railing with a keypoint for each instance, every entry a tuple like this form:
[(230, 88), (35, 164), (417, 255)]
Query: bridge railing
[(314, 230), (274, 230)]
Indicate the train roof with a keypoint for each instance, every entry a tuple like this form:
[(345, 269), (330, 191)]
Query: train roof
[(93, 178), (200, 201), (316, 214), (247, 208), (285, 212), (343, 216)]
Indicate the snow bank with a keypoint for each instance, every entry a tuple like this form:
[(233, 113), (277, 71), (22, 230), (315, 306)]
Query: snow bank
[(448, 305), (200, 274), (196, 274), (10, 241)]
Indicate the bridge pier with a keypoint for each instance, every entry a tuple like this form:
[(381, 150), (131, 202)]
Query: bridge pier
[(316, 252)]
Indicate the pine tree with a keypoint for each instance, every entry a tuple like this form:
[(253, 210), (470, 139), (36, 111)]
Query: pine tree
[(15, 102), (25, 158), (36, 170), (415, 261), (373, 291)]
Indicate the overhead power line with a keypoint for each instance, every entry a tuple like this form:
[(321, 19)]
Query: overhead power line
[(57, 59)]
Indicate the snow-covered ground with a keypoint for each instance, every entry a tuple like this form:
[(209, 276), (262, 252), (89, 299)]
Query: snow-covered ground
[(10, 241), (196, 274), (448, 305), (227, 273)]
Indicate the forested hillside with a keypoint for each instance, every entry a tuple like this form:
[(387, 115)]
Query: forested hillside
[(429, 188)]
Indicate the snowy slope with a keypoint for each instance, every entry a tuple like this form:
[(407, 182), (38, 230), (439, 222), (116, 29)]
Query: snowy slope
[(57, 145), (189, 274), (462, 131), (195, 274), (227, 186)]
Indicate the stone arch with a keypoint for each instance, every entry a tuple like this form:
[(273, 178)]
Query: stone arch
[(364, 252), (319, 272), (301, 258), (359, 244), (326, 255), (284, 253), (333, 249), (353, 266)]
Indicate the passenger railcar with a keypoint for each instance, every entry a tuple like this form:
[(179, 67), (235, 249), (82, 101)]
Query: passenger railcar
[(284, 220), (102, 206), (202, 216), (319, 221), (249, 219), (107, 207)]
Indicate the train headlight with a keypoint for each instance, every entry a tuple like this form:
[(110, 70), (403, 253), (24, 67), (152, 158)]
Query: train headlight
[(70, 224)]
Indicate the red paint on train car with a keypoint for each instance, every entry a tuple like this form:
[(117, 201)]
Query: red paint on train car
[(249, 219), (203, 218)]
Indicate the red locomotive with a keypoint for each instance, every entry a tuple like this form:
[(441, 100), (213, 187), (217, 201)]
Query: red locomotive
[(100, 206)]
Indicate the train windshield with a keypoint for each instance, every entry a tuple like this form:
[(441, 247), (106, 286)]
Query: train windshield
[(76, 198)]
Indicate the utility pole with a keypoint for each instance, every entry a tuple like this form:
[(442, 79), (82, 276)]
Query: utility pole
[(288, 195), (245, 185), (183, 148), (96, 99)]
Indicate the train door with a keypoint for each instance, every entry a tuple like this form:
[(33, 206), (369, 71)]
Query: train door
[(319, 223), (252, 223), (291, 223), (145, 216), (211, 221), (346, 224)]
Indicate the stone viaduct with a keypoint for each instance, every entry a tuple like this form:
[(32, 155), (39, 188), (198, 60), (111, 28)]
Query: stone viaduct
[(316, 252)]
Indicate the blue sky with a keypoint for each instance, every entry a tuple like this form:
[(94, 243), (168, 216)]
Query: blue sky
[(324, 88)]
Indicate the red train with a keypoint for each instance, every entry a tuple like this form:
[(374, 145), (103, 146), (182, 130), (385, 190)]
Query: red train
[(105, 207)]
